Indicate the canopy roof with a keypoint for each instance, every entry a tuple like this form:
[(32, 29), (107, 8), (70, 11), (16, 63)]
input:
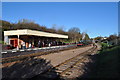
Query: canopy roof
[(33, 32)]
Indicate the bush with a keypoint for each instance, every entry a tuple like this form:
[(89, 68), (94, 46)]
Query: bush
[(104, 45)]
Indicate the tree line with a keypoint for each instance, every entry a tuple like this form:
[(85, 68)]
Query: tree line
[(113, 39), (73, 33)]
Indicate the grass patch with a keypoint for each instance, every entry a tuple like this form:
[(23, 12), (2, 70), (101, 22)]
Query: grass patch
[(107, 63), (1, 42)]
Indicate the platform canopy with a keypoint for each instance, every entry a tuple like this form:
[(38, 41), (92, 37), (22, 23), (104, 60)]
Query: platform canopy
[(34, 33)]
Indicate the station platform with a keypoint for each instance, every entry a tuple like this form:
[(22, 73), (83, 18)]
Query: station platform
[(15, 52)]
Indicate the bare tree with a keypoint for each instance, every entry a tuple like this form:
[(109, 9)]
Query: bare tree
[(74, 34), (26, 21)]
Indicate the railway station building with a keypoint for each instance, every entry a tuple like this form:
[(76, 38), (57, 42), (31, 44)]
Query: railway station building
[(30, 37)]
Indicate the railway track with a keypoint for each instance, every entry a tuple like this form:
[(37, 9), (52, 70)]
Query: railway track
[(13, 53), (21, 57), (64, 69), (11, 57)]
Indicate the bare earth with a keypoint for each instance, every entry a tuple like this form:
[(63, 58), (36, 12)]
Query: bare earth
[(60, 57)]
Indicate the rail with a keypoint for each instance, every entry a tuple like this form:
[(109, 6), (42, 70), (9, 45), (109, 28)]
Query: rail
[(66, 66)]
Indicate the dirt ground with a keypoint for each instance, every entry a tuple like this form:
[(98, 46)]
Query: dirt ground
[(57, 58)]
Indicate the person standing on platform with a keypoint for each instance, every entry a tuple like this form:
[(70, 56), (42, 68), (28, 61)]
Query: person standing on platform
[(30, 45), (39, 44), (23, 45), (43, 43), (49, 44)]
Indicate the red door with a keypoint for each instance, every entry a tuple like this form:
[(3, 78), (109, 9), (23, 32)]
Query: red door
[(16, 43), (12, 42)]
